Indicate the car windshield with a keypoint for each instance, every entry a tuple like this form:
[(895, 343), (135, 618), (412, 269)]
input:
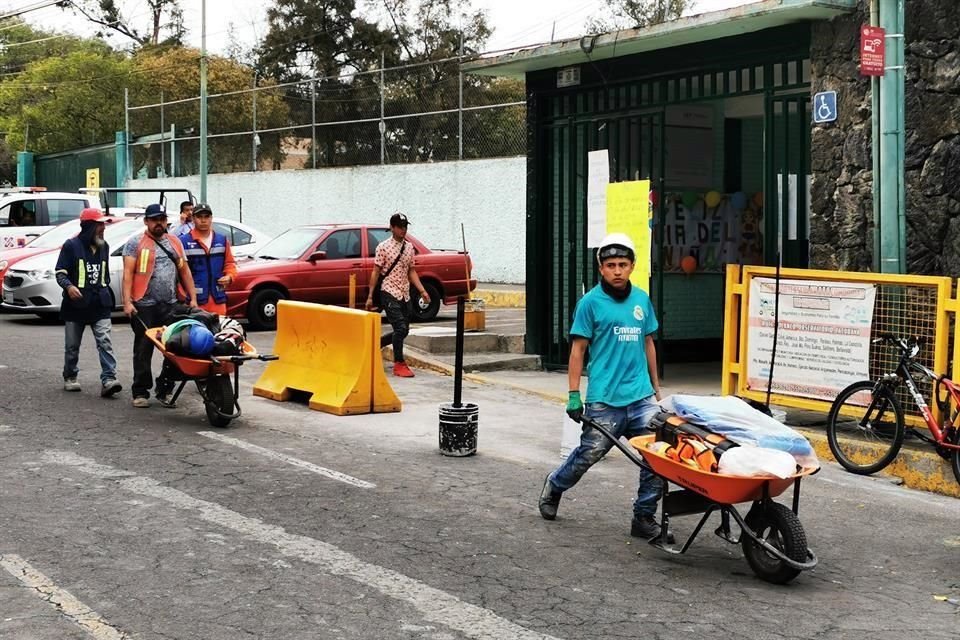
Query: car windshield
[(58, 235), (290, 244)]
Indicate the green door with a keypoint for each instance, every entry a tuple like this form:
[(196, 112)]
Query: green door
[(788, 180)]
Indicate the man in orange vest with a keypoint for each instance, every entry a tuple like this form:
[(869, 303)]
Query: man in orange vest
[(152, 265)]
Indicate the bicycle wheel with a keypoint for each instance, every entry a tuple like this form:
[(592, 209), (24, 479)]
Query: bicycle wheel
[(865, 427)]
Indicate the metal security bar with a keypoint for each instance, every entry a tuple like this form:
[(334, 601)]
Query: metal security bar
[(424, 112)]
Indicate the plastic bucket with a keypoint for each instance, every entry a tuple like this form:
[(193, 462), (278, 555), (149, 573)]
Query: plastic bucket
[(458, 429)]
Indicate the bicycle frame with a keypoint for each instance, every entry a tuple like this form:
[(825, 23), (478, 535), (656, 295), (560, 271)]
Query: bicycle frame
[(904, 368)]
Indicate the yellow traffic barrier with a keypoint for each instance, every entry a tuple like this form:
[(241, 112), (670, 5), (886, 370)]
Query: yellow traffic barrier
[(331, 353)]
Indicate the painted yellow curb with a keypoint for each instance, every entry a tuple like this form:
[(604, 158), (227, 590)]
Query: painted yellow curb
[(919, 469), (496, 299)]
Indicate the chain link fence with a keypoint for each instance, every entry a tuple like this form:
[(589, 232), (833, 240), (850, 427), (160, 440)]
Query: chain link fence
[(427, 112)]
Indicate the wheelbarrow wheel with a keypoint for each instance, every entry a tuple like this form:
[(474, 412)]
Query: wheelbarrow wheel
[(779, 527), (219, 399)]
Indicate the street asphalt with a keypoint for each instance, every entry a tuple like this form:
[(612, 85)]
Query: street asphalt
[(292, 524)]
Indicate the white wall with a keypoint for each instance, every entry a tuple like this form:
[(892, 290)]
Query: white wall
[(487, 196)]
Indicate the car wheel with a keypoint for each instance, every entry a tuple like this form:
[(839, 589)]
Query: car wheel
[(423, 312), (262, 309)]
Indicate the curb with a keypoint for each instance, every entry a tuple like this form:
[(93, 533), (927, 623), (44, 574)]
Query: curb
[(917, 469), (497, 299)]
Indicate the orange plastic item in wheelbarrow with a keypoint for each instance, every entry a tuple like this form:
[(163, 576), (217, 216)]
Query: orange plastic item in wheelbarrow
[(717, 487), (194, 367)]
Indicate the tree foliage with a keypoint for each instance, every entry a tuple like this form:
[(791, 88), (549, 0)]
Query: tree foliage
[(65, 102), (164, 24), (334, 42), (630, 14)]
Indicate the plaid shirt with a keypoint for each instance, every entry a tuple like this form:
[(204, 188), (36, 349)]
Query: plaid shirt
[(397, 282)]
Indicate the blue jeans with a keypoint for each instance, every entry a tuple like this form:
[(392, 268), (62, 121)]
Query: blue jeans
[(632, 420), (73, 335)]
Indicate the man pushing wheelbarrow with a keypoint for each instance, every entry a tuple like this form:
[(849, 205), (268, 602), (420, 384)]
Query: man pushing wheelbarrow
[(616, 321)]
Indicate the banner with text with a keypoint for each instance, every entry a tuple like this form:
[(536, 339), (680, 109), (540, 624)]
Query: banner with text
[(823, 339)]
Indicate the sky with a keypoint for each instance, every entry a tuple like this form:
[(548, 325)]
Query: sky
[(516, 22)]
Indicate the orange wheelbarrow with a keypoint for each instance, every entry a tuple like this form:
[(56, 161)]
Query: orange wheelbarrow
[(773, 540), (212, 376)]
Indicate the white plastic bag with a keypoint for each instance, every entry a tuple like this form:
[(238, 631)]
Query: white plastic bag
[(756, 462)]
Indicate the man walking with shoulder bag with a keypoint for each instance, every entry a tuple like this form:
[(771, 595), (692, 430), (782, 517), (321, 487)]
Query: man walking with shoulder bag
[(393, 270)]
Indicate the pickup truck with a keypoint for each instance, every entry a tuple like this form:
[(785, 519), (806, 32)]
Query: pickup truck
[(314, 263)]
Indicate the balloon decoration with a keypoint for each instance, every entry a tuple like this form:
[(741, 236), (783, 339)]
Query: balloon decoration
[(688, 264), (654, 198), (739, 200), (713, 199), (690, 199)]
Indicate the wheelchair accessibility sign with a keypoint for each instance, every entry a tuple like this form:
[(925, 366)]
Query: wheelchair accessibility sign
[(824, 107)]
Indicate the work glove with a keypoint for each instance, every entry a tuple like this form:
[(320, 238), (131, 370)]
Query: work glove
[(574, 406)]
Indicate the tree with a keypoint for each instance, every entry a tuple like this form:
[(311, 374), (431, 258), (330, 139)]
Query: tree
[(165, 25), (176, 74), (629, 14), (66, 102), (22, 43)]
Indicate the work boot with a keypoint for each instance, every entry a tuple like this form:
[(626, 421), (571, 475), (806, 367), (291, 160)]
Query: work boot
[(648, 527), (549, 500)]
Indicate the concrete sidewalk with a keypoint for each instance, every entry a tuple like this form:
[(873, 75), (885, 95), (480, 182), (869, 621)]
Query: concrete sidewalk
[(917, 466)]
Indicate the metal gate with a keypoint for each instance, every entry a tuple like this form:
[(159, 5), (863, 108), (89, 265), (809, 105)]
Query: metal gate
[(634, 142), (787, 224)]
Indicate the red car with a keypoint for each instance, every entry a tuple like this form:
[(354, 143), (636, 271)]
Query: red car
[(313, 264)]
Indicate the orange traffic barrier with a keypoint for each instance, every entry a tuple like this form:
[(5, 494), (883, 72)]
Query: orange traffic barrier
[(331, 353)]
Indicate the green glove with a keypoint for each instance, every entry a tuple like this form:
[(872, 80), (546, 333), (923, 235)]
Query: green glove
[(574, 406)]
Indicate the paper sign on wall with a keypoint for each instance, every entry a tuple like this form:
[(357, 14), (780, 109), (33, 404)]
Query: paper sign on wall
[(598, 177), (628, 211)]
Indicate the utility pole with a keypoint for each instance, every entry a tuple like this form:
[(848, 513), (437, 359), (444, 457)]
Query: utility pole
[(203, 100), (889, 185)]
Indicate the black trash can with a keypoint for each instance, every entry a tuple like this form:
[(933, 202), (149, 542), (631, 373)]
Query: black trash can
[(458, 429)]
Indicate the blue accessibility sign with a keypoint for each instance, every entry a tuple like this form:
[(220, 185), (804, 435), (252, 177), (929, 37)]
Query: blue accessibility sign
[(825, 107)]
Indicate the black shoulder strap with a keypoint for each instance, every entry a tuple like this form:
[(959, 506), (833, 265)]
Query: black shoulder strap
[(403, 247)]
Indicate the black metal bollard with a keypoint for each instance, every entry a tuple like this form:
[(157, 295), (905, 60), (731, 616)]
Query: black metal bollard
[(458, 422)]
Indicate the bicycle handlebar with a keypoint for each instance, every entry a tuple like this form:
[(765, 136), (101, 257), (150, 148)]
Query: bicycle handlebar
[(905, 346)]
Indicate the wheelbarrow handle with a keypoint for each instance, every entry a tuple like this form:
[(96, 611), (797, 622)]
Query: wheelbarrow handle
[(627, 451), (269, 357)]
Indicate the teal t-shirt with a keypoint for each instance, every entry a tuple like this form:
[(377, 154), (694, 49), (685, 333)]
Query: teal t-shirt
[(617, 333)]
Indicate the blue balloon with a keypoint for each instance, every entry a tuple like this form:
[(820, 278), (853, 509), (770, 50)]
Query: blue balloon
[(739, 200)]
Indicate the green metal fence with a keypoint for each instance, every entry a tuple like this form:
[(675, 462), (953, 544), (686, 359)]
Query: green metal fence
[(67, 171)]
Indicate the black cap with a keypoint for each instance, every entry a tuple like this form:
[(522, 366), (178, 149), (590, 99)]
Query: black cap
[(399, 220), (202, 210)]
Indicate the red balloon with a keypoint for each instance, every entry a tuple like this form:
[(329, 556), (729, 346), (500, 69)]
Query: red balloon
[(688, 264), (654, 198)]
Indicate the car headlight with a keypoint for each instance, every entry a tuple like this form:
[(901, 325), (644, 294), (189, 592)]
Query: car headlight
[(42, 274), (3, 264)]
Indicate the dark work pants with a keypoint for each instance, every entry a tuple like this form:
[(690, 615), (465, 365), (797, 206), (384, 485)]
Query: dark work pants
[(154, 315), (398, 315)]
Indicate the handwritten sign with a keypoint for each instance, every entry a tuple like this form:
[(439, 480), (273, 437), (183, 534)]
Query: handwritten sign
[(628, 211)]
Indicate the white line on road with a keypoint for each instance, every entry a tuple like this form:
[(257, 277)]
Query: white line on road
[(62, 600), (435, 605), (303, 464)]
